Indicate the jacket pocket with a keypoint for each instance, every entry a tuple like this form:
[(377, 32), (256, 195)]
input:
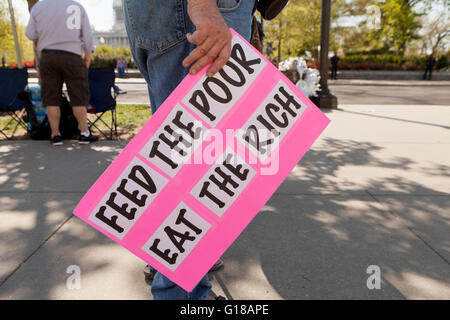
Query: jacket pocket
[(228, 5)]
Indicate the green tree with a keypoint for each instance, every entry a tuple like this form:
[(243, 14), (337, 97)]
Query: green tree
[(400, 24), (436, 32), (292, 32), (6, 36), (297, 28)]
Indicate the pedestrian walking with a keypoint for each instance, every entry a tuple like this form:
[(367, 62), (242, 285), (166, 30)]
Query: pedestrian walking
[(334, 66), (121, 67), (429, 66)]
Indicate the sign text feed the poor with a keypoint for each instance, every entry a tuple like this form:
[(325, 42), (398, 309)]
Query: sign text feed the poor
[(204, 165)]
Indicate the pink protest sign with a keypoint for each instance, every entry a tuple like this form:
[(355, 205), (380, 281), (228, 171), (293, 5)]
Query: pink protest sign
[(204, 165)]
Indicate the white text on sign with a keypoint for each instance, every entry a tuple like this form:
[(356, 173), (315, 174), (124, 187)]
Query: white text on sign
[(275, 116), (176, 237), (174, 142), (223, 183), (211, 98)]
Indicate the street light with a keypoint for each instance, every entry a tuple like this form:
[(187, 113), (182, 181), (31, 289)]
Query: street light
[(324, 98)]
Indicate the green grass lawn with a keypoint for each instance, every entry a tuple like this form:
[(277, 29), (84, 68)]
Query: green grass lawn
[(130, 119)]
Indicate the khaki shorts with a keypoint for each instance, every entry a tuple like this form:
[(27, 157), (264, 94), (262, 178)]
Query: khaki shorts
[(57, 67)]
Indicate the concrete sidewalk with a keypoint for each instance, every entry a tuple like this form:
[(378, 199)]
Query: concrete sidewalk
[(373, 190)]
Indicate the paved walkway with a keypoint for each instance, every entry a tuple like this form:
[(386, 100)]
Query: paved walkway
[(347, 91), (373, 190)]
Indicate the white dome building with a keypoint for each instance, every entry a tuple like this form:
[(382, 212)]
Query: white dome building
[(117, 36)]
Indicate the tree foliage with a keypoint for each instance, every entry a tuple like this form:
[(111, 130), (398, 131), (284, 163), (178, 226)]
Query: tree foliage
[(400, 23), (7, 48), (297, 29)]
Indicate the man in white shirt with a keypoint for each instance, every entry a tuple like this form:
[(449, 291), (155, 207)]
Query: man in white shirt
[(61, 32)]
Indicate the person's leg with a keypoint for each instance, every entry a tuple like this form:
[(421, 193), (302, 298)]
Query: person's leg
[(80, 113), (164, 289), (51, 87), (120, 72), (75, 76), (159, 55), (54, 115)]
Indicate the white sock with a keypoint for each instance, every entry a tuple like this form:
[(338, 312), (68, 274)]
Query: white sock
[(86, 133)]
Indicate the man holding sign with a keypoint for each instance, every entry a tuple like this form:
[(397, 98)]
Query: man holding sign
[(170, 39)]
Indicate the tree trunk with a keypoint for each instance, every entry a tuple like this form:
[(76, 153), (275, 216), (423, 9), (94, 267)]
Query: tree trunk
[(16, 38), (31, 3), (280, 24)]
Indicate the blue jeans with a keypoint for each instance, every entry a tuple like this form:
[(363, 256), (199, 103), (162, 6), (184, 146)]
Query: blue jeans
[(157, 32), (121, 72)]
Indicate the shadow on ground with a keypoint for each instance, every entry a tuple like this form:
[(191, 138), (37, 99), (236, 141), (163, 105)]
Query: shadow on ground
[(314, 239), (39, 237)]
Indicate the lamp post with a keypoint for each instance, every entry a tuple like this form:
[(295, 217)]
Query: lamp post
[(324, 98), (16, 39)]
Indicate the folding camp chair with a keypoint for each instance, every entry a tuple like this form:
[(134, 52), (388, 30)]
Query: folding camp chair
[(103, 96), (12, 84)]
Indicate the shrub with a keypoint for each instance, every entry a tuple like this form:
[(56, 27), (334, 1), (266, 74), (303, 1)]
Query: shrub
[(361, 66), (376, 65), (28, 64), (106, 57), (103, 60), (104, 49), (442, 62), (344, 65), (409, 66), (392, 66)]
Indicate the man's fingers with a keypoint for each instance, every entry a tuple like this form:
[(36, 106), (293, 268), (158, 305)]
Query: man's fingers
[(206, 59), (199, 52), (197, 37), (213, 41), (220, 61)]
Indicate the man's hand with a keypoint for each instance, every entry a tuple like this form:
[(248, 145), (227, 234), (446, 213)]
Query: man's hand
[(37, 53), (212, 37)]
